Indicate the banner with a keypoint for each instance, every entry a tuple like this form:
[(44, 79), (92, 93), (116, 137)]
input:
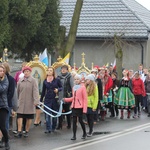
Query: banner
[(66, 58), (43, 57)]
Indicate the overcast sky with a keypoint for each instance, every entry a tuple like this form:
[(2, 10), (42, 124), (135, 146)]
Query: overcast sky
[(145, 3)]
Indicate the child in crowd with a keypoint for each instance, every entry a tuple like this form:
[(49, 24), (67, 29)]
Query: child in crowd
[(78, 105)]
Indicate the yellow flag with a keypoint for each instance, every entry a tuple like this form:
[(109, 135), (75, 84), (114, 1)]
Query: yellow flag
[(66, 58), (107, 65)]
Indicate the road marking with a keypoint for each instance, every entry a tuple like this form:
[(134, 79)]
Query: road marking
[(104, 138)]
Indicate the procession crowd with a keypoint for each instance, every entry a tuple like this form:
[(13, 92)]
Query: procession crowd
[(87, 96)]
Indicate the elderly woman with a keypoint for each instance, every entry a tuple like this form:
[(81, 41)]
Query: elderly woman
[(28, 95), (3, 106)]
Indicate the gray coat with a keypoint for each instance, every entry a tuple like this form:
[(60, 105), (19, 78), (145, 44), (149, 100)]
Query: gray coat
[(3, 93), (67, 84), (28, 95)]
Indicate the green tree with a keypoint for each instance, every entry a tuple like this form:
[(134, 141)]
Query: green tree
[(34, 26), (48, 32), (24, 18), (4, 26)]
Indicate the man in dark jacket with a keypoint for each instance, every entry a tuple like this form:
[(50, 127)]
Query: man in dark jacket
[(67, 85)]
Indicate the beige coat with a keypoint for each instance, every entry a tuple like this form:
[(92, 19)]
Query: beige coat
[(28, 95)]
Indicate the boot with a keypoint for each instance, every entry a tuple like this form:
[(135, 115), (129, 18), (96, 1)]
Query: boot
[(121, 114), (74, 137), (84, 135), (7, 147), (128, 114), (68, 121)]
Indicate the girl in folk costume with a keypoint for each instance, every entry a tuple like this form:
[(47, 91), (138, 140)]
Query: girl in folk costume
[(116, 84), (79, 105), (107, 93), (124, 97), (92, 92), (139, 91)]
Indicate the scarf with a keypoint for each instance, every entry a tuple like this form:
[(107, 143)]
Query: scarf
[(76, 87)]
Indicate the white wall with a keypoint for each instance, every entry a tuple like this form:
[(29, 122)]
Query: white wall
[(100, 53)]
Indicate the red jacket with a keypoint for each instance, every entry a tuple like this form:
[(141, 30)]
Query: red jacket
[(108, 85), (138, 87), (79, 99)]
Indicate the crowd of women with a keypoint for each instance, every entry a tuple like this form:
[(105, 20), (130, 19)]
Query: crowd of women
[(89, 97)]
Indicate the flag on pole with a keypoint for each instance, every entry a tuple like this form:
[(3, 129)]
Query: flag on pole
[(66, 58), (114, 64), (43, 57)]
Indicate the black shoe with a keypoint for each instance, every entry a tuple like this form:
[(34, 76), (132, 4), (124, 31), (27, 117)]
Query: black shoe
[(73, 138), (7, 147), (47, 131), (84, 136), (18, 135), (37, 124), (26, 134)]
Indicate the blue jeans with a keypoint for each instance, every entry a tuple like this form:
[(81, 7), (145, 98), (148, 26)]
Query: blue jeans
[(8, 118), (50, 123)]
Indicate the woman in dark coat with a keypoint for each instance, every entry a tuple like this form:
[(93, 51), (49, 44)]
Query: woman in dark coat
[(10, 92), (3, 106), (51, 87)]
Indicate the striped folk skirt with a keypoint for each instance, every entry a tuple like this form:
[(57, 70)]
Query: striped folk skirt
[(124, 98)]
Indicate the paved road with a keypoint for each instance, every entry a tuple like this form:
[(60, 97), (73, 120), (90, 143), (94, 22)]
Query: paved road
[(112, 133)]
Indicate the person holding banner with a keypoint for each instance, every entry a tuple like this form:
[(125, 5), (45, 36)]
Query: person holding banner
[(78, 105), (67, 83), (28, 98), (51, 87)]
